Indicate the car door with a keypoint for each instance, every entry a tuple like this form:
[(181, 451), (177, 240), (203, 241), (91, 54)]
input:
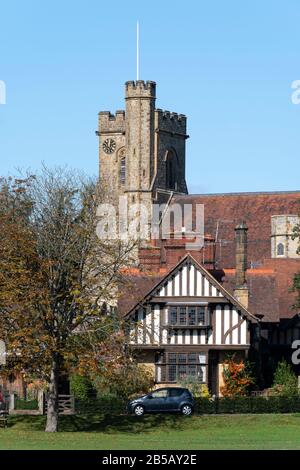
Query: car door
[(175, 397), (158, 400)]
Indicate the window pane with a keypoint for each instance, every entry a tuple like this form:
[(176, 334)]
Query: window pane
[(175, 392), (172, 358), (181, 358), (182, 316), (160, 393), (173, 316), (192, 370), (182, 371), (192, 316), (201, 316), (159, 373), (202, 374), (202, 358), (192, 358), (159, 358), (280, 249), (172, 373), (163, 374)]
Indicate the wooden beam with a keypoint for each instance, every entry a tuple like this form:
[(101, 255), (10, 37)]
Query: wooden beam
[(187, 300)]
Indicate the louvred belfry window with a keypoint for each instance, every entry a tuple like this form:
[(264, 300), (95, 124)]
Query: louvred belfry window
[(123, 170), (171, 170)]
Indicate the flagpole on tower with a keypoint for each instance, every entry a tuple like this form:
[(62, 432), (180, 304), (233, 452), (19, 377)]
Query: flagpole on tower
[(137, 50)]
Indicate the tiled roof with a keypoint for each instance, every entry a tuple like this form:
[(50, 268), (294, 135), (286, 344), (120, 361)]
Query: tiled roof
[(135, 288), (269, 289), (222, 212), (271, 280)]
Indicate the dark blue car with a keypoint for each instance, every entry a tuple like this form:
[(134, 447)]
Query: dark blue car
[(171, 399)]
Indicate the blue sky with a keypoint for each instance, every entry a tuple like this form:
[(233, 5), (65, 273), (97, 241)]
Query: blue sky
[(227, 65)]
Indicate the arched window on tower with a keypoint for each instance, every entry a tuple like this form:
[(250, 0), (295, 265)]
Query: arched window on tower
[(280, 249), (123, 170), (171, 170)]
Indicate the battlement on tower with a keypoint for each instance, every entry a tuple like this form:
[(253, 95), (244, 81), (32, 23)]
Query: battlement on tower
[(140, 89), (170, 122), (109, 122)]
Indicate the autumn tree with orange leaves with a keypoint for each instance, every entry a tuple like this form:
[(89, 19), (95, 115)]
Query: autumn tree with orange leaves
[(57, 280), (237, 378)]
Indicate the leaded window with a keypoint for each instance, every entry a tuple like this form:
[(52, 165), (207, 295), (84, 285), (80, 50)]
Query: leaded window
[(188, 316), (182, 316), (180, 366)]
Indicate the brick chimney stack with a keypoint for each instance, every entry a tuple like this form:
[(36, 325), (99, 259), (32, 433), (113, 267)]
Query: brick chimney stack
[(241, 292)]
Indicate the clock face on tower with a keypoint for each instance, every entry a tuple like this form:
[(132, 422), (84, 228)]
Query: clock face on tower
[(109, 146)]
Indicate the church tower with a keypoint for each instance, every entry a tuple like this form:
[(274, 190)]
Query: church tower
[(142, 149), (140, 108)]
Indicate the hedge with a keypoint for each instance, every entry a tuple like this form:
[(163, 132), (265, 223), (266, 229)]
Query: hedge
[(114, 405), (248, 405), (106, 404), (26, 404)]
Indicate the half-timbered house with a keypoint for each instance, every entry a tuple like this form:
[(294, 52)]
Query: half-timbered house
[(187, 325)]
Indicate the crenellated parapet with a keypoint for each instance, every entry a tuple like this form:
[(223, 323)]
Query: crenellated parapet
[(170, 122), (111, 122), (140, 89)]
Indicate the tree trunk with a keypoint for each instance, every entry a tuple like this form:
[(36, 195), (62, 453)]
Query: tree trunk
[(52, 398)]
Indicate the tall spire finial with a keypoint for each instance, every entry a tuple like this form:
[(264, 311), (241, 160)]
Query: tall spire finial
[(137, 50)]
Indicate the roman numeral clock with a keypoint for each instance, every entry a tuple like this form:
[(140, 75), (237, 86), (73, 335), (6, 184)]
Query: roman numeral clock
[(109, 146)]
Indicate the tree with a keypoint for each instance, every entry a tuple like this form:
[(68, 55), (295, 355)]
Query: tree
[(58, 281), (195, 387), (237, 378), (285, 381), (126, 380), (81, 387)]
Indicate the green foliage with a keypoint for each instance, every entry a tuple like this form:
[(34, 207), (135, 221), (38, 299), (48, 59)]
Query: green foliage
[(81, 387), (125, 381), (26, 404), (197, 389), (285, 381), (248, 404), (107, 404)]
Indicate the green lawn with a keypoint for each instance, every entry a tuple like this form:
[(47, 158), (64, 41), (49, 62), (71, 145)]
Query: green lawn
[(158, 432)]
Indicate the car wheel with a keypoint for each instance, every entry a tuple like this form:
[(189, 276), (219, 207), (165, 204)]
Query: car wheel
[(139, 410), (186, 410)]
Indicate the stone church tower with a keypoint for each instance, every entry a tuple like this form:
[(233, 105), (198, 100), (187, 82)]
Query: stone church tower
[(142, 149)]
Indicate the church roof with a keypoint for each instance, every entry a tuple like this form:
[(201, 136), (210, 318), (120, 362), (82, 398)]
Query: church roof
[(222, 212)]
